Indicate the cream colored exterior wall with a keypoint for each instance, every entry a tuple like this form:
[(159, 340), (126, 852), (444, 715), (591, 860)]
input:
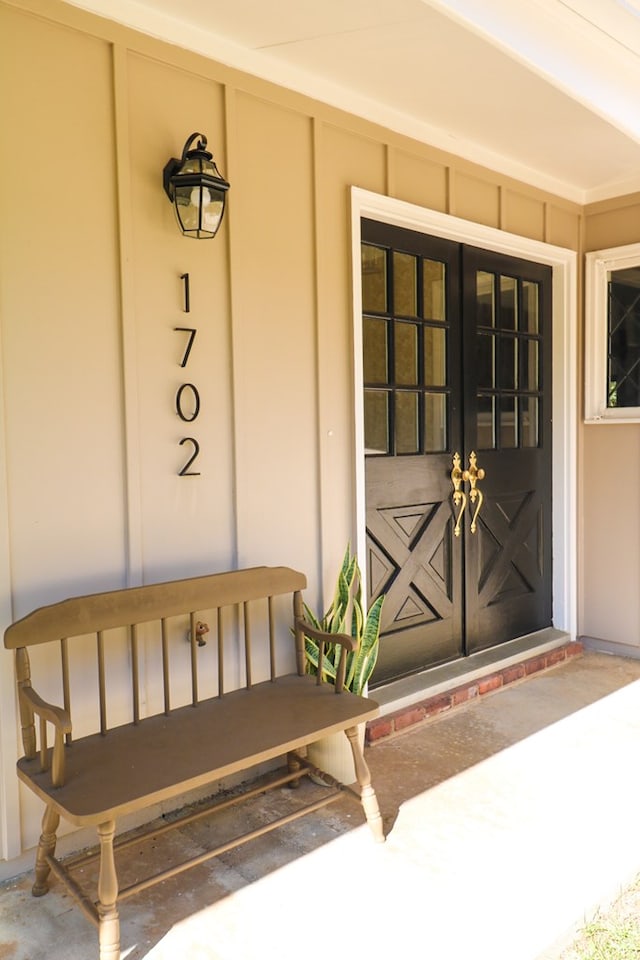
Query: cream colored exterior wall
[(610, 508), (90, 294)]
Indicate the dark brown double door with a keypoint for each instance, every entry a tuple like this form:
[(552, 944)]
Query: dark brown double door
[(456, 361)]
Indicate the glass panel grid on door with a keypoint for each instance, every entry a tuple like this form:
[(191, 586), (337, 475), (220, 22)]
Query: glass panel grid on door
[(508, 332), (405, 353)]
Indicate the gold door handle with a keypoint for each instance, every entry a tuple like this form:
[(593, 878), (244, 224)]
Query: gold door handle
[(459, 496), (473, 474)]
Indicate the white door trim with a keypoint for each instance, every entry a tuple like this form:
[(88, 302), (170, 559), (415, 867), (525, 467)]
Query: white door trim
[(564, 386)]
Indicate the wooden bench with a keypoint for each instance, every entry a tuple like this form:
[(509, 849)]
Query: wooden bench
[(122, 766)]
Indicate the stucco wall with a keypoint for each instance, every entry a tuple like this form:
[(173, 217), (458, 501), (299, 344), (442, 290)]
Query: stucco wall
[(90, 294)]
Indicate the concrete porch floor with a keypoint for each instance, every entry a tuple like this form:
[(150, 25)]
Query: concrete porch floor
[(508, 821)]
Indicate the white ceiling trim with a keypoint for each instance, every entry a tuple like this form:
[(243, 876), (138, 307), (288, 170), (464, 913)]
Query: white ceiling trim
[(564, 47), (546, 36)]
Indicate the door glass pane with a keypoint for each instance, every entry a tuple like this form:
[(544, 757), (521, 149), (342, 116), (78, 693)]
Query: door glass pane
[(508, 303), (486, 368), (374, 279), (529, 422), (405, 276), (530, 369), (406, 353), (486, 423), (508, 363), (374, 336), (376, 421), (486, 299), (435, 357), (433, 290), (435, 422), (508, 422), (530, 307), (624, 339), (406, 424)]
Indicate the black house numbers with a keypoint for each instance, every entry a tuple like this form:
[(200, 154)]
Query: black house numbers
[(187, 397)]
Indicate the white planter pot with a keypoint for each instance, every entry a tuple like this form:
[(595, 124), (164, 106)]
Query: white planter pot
[(333, 755)]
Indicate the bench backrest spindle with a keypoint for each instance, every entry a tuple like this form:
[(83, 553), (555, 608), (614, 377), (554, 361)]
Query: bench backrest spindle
[(247, 644), (298, 615), (272, 645), (44, 748), (220, 654), (194, 658), (135, 672), (101, 683), (166, 679), (66, 689)]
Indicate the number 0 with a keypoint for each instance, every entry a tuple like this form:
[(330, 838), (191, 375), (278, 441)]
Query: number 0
[(196, 402)]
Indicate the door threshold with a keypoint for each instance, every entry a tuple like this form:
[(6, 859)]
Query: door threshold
[(420, 697)]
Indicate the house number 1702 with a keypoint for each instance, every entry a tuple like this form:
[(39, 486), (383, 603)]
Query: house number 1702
[(187, 397)]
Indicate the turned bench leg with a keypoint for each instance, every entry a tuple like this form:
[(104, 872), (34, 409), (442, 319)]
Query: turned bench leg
[(293, 765), (109, 928), (46, 847), (367, 793)]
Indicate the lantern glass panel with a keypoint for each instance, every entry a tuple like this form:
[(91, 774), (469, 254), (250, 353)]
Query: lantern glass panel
[(199, 209)]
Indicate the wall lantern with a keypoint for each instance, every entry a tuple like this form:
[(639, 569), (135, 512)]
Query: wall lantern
[(197, 190)]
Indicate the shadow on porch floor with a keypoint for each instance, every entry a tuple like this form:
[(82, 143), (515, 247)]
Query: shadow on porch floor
[(508, 820)]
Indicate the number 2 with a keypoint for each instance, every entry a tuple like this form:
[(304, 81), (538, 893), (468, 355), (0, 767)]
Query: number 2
[(186, 472)]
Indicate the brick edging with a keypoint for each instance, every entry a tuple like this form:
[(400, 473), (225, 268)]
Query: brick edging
[(393, 723)]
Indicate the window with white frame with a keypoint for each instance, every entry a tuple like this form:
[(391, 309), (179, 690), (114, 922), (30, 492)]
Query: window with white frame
[(612, 336)]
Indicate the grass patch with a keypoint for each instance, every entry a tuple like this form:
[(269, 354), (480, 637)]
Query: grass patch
[(613, 934)]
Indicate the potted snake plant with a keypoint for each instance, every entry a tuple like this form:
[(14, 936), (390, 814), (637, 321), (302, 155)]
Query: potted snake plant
[(345, 614)]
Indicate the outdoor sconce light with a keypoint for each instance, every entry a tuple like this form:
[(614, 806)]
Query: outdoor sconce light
[(197, 190)]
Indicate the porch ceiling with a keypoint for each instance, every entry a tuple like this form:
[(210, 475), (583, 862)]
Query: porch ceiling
[(542, 90)]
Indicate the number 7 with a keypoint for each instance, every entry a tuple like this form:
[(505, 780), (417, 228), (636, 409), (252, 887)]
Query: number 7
[(192, 332)]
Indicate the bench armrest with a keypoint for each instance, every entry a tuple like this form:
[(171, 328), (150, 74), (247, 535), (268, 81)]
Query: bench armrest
[(322, 638), (32, 704)]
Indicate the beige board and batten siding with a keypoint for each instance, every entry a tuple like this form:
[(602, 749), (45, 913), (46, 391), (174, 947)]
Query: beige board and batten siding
[(611, 455), (90, 264)]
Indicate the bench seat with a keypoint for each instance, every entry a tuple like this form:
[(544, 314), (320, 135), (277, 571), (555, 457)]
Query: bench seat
[(162, 757)]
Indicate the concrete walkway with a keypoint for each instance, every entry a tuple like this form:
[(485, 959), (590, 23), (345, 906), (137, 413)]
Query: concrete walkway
[(508, 822)]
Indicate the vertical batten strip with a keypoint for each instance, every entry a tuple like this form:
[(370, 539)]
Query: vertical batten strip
[(101, 683), (194, 661), (272, 647), (247, 643), (220, 654), (66, 694), (165, 667), (135, 675), (130, 359)]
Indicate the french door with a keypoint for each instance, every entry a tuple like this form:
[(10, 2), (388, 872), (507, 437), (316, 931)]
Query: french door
[(457, 417)]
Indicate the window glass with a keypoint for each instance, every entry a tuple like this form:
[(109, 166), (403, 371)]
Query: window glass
[(508, 303), (435, 422), (405, 280), (433, 292), (486, 299), (376, 421), (374, 279), (435, 356), (406, 353), (406, 422), (374, 342)]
